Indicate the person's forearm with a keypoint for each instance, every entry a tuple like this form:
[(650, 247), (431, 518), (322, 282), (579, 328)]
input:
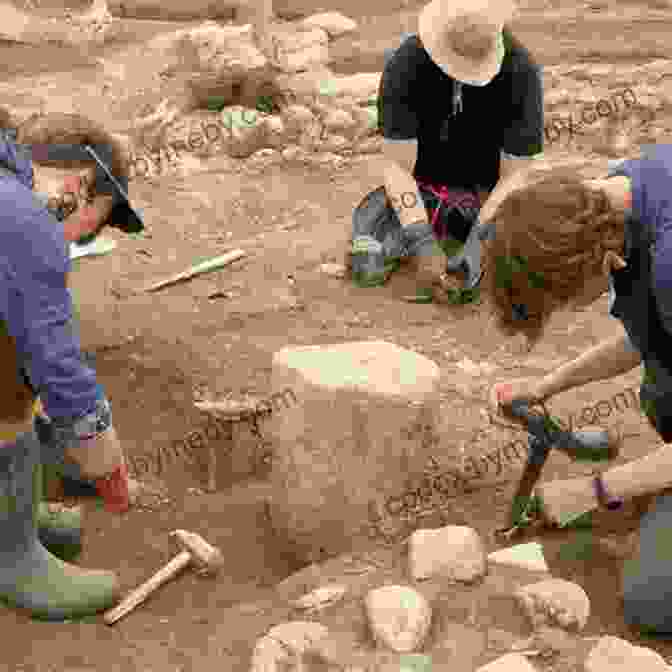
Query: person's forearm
[(512, 176), (497, 195), (404, 195), (608, 359), (647, 475)]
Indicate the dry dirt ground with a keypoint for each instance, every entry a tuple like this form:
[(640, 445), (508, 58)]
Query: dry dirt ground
[(157, 353)]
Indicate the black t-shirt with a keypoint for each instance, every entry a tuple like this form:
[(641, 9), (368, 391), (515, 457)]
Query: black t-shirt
[(415, 101)]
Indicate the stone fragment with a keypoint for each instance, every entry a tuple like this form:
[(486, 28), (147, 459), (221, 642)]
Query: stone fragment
[(458, 646), (334, 23), (455, 552), (275, 132), (361, 88), (300, 48), (530, 556), (612, 654), (399, 617), (321, 597), (334, 143), (511, 662), (285, 645), (249, 138), (554, 601), (338, 121), (334, 270)]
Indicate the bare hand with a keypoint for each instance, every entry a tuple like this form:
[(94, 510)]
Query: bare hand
[(523, 389), (562, 501)]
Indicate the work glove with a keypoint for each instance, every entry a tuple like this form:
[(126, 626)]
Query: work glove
[(525, 389), (417, 239), (468, 261)]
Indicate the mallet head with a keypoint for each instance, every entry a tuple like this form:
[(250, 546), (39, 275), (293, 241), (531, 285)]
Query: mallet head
[(207, 559)]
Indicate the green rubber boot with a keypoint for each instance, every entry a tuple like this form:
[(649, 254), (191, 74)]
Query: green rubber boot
[(30, 577), (60, 531)]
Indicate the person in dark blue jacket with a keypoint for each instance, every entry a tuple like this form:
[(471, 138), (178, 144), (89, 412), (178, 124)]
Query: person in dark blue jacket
[(559, 242)]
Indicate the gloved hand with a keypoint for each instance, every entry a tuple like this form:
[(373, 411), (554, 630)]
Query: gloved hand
[(101, 459), (468, 261), (562, 502), (521, 389), (418, 239)]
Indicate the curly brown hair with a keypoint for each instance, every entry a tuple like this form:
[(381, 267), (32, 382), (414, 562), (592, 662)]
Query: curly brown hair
[(550, 239)]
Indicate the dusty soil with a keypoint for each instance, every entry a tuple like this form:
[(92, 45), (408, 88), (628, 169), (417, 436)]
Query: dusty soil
[(157, 353)]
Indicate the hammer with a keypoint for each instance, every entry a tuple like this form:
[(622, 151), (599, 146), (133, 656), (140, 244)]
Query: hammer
[(588, 445), (207, 560)]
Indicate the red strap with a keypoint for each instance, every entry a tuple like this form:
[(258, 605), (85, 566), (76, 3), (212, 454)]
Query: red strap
[(114, 490), (447, 196)]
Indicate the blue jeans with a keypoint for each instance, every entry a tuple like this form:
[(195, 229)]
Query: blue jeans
[(375, 217), (647, 579)]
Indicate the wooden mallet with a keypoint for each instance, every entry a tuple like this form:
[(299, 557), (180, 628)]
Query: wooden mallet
[(206, 559)]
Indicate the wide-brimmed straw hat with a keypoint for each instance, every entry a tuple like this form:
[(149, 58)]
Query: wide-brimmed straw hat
[(465, 38)]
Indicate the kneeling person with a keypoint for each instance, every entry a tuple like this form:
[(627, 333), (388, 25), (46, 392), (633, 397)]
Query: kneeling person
[(461, 111)]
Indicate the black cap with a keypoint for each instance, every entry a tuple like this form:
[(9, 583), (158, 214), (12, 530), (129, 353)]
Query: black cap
[(123, 216)]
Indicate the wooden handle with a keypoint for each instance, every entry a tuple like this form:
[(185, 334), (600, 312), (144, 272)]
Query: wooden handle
[(140, 594), (212, 264), (230, 410)]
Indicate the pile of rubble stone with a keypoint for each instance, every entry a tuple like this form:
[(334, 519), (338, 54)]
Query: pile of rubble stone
[(95, 26), (309, 109), (591, 110), (223, 90), (378, 618)]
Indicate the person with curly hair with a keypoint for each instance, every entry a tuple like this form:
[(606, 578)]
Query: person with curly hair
[(52, 410), (560, 242)]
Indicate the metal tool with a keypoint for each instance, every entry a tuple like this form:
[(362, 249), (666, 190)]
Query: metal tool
[(544, 435)]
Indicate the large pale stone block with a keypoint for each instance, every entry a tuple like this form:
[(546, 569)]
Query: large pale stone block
[(363, 424)]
